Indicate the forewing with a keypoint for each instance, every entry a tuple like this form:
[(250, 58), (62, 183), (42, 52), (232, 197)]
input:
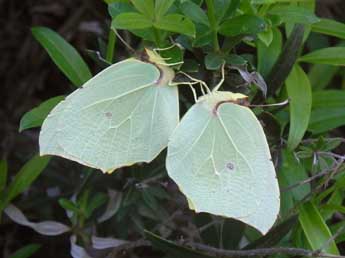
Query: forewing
[(113, 120), (221, 162)]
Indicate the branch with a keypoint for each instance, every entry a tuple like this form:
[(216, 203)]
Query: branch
[(220, 253), (286, 60), (128, 246), (308, 180)]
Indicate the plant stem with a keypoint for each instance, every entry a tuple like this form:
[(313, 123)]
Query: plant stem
[(286, 60), (213, 22), (111, 46), (157, 37)]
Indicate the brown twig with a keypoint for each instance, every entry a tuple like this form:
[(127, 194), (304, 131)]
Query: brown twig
[(128, 246), (331, 171), (308, 180), (220, 253)]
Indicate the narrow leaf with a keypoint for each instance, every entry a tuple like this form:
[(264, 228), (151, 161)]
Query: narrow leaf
[(176, 23), (325, 119), (26, 251), (330, 55), (321, 75), (316, 230), (328, 98), (63, 55), (299, 92), (69, 205), (131, 21), (294, 172), (36, 116), (329, 27), (27, 174)]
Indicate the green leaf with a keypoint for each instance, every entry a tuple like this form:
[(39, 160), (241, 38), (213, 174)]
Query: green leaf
[(330, 55), (329, 27), (320, 75), (274, 236), (224, 9), (243, 24), (328, 110), (146, 7), (176, 23), (268, 55), (233, 59), (36, 116), (69, 205), (213, 61), (172, 248), (26, 251), (96, 201), (316, 230), (294, 14), (115, 9), (204, 35), (25, 177), (328, 99), (294, 172), (162, 6), (325, 119), (299, 92), (3, 174), (194, 12), (131, 21), (334, 204), (63, 55), (266, 37), (286, 199)]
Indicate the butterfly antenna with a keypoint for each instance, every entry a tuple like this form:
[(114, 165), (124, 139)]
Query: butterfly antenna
[(167, 48), (190, 84), (123, 41), (222, 80), (283, 103), (202, 83), (194, 93)]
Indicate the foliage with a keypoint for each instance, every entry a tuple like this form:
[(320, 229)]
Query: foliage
[(272, 38)]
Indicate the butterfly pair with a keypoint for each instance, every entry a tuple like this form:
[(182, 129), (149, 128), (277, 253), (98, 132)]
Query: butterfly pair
[(129, 112)]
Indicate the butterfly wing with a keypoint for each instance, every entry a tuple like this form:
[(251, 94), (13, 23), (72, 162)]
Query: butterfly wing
[(221, 162), (119, 117)]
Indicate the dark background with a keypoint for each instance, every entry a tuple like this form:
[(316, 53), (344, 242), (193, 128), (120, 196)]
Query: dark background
[(28, 77)]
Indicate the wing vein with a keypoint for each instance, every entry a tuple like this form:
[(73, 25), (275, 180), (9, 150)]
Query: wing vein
[(234, 145)]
